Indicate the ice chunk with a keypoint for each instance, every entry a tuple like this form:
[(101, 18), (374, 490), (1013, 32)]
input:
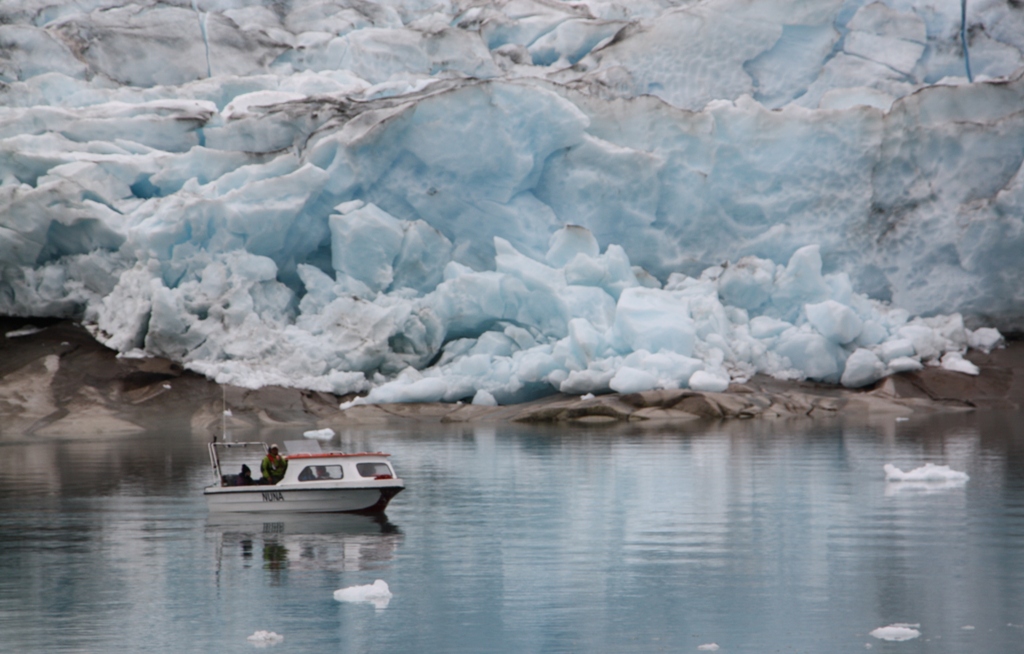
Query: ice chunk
[(672, 370), (632, 380), (610, 271), (862, 368), (897, 632), (925, 340), (483, 398), (569, 241), (421, 259), (927, 472), (709, 382), (263, 638), (324, 434), (905, 364), (985, 339), (897, 348), (365, 242), (956, 362), (872, 333), (376, 593), (764, 327), (748, 283), (836, 322), (647, 319), (595, 379), (801, 282), (813, 354)]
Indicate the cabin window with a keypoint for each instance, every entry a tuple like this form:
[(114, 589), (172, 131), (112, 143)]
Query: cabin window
[(320, 473), (374, 469)]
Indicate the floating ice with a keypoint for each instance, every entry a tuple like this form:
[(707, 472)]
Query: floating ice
[(708, 647), (897, 632), (429, 202), (376, 593), (928, 472), (324, 434), (265, 638)]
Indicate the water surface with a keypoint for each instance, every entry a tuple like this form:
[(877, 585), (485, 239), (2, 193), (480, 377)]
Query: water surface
[(756, 536)]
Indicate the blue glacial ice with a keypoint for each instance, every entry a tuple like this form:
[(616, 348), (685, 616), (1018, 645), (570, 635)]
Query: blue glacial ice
[(494, 201)]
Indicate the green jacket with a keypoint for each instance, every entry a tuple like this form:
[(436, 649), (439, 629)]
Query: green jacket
[(273, 471)]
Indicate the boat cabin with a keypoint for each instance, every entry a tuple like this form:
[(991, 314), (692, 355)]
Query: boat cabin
[(306, 463)]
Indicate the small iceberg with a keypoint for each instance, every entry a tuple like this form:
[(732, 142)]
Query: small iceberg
[(897, 632), (376, 593), (265, 638), (929, 478), (927, 472), (325, 434)]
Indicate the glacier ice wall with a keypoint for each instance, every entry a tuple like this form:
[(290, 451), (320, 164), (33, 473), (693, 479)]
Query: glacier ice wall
[(358, 196)]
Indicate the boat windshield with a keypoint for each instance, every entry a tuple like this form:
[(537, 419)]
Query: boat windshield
[(320, 473), (376, 469)]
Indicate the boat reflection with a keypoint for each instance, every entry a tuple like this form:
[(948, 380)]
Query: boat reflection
[(335, 542)]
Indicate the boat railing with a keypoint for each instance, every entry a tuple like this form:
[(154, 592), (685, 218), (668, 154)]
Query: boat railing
[(330, 455)]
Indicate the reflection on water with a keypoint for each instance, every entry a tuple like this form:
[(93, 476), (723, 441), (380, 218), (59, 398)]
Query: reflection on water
[(758, 536), (334, 542)]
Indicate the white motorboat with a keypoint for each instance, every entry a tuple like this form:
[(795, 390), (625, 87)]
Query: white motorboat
[(315, 481)]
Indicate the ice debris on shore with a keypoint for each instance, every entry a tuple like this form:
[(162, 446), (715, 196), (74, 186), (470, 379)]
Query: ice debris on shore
[(579, 322), (376, 593)]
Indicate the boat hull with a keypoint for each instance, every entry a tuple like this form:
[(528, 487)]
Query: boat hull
[(270, 499)]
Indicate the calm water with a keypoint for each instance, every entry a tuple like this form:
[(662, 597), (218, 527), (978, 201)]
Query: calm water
[(756, 536)]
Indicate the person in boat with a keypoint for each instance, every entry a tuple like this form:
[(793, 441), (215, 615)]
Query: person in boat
[(245, 477), (317, 473), (274, 466)]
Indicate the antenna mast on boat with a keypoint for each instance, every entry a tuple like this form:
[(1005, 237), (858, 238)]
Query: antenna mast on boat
[(223, 414)]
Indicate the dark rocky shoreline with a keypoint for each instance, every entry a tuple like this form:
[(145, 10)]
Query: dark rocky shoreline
[(58, 382)]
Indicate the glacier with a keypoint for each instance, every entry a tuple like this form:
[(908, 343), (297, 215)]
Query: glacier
[(420, 200)]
